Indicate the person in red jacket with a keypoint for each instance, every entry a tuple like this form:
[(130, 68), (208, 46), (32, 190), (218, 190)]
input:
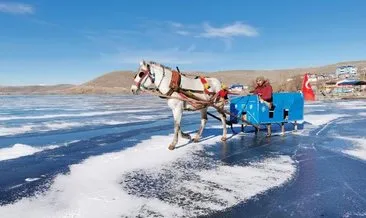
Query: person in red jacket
[(264, 90)]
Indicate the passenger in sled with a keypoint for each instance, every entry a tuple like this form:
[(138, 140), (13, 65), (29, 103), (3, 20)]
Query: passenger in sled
[(264, 91)]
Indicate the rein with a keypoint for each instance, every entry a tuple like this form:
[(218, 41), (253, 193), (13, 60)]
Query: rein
[(199, 104), (186, 97)]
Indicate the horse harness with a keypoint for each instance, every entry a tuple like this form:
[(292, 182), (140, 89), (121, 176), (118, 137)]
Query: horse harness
[(175, 86), (174, 83)]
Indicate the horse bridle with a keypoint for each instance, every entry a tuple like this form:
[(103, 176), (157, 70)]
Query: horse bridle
[(144, 74)]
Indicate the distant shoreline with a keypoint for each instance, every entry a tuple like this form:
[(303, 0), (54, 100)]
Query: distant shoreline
[(119, 82), (318, 97)]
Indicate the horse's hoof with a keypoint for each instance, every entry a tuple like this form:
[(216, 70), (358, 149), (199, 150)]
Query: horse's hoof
[(223, 138), (196, 140), (171, 147)]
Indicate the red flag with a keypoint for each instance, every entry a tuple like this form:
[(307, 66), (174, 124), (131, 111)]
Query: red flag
[(307, 90)]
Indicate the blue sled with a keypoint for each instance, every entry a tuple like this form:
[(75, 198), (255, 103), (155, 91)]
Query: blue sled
[(289, 107)]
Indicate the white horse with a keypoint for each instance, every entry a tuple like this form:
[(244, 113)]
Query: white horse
[(177, 87)]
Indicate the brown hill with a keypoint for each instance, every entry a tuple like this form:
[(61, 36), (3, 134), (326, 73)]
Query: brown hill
[(113, 79), (111, 83), (34, 90), (120, 81)]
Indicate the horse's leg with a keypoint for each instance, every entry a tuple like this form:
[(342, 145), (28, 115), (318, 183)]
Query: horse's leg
[(181, 133), (203, 124), (224, 130), (177, 113)]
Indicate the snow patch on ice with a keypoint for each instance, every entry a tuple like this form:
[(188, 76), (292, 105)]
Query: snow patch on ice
[(20, 150), (322, 119), (32, 179), (359, 148), (103, 186), (354, 214), (15, 130)]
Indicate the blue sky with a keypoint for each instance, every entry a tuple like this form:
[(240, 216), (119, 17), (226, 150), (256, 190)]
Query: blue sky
[(68, 41)]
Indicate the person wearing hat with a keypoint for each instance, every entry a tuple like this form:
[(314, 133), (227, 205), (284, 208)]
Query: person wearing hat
[(224, 92), (222, 95), (264, 90)]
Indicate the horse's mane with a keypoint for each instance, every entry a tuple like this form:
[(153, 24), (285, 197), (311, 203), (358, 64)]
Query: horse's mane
[(160, 65), (169, 68)]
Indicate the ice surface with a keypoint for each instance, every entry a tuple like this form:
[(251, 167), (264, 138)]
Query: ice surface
[(85, 114), (61, 125), (146, 179)]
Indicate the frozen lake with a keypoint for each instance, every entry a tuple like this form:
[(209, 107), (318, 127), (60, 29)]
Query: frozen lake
[(107, 156)]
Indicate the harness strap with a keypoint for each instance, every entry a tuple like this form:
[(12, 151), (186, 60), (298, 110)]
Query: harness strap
[(175, 86), (197, 91), (174, 83), (205, 84), (199, 104)]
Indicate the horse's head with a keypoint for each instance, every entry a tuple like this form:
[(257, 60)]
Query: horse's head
[(143, 78)]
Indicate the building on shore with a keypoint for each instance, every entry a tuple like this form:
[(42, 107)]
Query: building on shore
[(346, 72)]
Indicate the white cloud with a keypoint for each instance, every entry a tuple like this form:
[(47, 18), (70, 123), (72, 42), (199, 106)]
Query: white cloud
[(182, 32), (192, 55), (168, 56), (16, 8), (205, 30), (236, 29), (180, 28), (189, 58), (175, 24)]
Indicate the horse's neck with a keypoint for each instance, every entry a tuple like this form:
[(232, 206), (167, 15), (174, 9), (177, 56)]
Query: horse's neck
[(162, 79)]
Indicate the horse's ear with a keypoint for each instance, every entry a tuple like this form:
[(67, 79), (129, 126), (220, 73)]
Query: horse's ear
[(142, 63)]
